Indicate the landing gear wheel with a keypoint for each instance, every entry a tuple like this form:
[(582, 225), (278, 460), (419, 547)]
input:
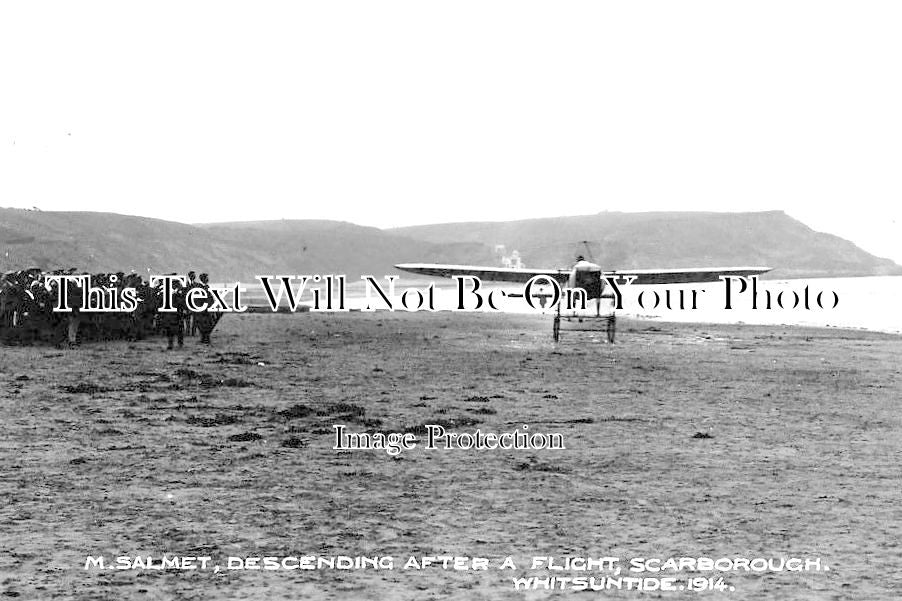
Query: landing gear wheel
[(612, 328), (556, 332)]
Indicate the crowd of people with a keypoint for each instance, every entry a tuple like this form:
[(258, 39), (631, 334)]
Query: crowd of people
[(30, 308)]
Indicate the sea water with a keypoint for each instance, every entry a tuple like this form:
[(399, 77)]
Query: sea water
[(870, 303)]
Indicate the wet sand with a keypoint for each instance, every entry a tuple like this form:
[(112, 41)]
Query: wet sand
[(682, 440)]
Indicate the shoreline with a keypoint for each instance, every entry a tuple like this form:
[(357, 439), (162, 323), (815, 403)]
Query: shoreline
[(866, 303)]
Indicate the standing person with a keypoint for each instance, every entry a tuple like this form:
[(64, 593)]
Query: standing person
[(206, 320), (190, 322), (172, 322), (73, 318)]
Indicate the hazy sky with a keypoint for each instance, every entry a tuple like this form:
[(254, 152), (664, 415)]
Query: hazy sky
[(395, 113)]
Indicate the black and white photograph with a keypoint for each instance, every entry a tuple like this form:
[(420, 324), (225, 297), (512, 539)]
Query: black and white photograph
[(414, 300)]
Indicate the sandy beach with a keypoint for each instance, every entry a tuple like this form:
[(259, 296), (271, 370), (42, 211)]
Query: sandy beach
[(681, 440)]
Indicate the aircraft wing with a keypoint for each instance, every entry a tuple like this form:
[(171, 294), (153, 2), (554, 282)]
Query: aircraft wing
[(643, 276), (685, 276), (497, 274)]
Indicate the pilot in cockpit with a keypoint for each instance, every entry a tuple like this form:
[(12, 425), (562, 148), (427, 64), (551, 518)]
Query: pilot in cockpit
[(587, 275)]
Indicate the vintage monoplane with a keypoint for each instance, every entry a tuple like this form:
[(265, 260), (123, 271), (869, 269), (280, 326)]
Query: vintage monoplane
[(588, 279)]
